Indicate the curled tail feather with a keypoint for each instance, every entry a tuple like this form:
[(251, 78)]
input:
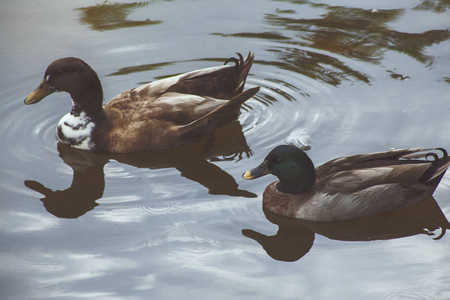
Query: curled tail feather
[(243, 67)]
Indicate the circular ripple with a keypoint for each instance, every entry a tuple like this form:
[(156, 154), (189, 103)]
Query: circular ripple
[(289, 100), (406, 295), (161, 208)]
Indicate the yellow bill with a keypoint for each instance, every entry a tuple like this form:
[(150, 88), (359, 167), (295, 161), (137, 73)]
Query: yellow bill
[(259, 171), (42, 91)]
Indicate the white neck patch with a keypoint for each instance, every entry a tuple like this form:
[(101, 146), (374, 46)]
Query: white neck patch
[(75, 130)]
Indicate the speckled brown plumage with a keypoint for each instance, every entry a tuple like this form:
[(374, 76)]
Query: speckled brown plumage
[(164, 114)]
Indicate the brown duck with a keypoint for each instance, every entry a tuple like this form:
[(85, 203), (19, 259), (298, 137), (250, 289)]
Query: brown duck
[(164, 114)]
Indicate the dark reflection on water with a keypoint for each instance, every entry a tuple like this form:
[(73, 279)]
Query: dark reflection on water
[(228, 143), (437, 6), (355, 33), (291, 242), (109, 16), (295, 237), (359, 34), (261, 35), (312, 64), (141, 68)]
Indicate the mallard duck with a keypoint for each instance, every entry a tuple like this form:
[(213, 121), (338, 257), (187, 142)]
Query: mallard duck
[(350, 187), (164, 114)]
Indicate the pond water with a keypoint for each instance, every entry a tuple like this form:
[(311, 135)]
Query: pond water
[(361, 76)]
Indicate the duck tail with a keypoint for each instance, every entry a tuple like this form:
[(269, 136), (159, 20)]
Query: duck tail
[(229, 111), (243, 68), (220, 116), (437, 169), (224, 82)]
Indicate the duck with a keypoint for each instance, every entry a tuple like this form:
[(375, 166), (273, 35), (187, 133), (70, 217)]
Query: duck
[(165, 114), (349, 188)]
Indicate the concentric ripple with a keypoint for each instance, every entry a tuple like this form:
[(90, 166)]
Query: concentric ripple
[(410, 295), (289, 100)]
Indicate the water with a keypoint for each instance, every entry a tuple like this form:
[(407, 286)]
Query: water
[(359, 77)]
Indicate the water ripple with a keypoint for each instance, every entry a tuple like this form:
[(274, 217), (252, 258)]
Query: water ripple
[(161, 208), (408, 295)]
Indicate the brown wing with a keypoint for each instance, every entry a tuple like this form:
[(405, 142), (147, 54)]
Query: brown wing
[(171, 121), (223, 82), (218, 117)]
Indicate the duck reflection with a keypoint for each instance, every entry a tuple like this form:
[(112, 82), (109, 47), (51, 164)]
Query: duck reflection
[(291, 242), (228, 143), (295, 237), (108, 16), (87, 185)]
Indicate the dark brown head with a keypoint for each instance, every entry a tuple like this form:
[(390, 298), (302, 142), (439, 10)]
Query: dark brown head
[(74, 76)]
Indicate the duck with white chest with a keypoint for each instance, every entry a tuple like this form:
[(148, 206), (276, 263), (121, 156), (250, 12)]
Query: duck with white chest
[(165, 114)]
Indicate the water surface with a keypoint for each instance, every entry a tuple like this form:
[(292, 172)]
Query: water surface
[(359, 77)]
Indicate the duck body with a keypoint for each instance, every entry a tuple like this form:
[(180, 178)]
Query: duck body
[(349, 187), (165, 114)]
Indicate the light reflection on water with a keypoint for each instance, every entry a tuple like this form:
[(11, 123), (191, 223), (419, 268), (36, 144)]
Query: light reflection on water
[(358, 79)]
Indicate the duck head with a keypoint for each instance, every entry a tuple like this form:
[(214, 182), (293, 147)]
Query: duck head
[(74, 76), (291, 165)]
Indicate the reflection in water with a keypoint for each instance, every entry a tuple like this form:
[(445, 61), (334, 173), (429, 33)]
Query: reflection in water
[(437, 6), (87, 185), (108, 16), (228, 143), (142, 68), (359, 34), (295, 237), (291, 242)]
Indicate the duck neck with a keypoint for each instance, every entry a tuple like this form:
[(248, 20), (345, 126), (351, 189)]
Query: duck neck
[(93, 110), (299, 185), (88, 98)]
